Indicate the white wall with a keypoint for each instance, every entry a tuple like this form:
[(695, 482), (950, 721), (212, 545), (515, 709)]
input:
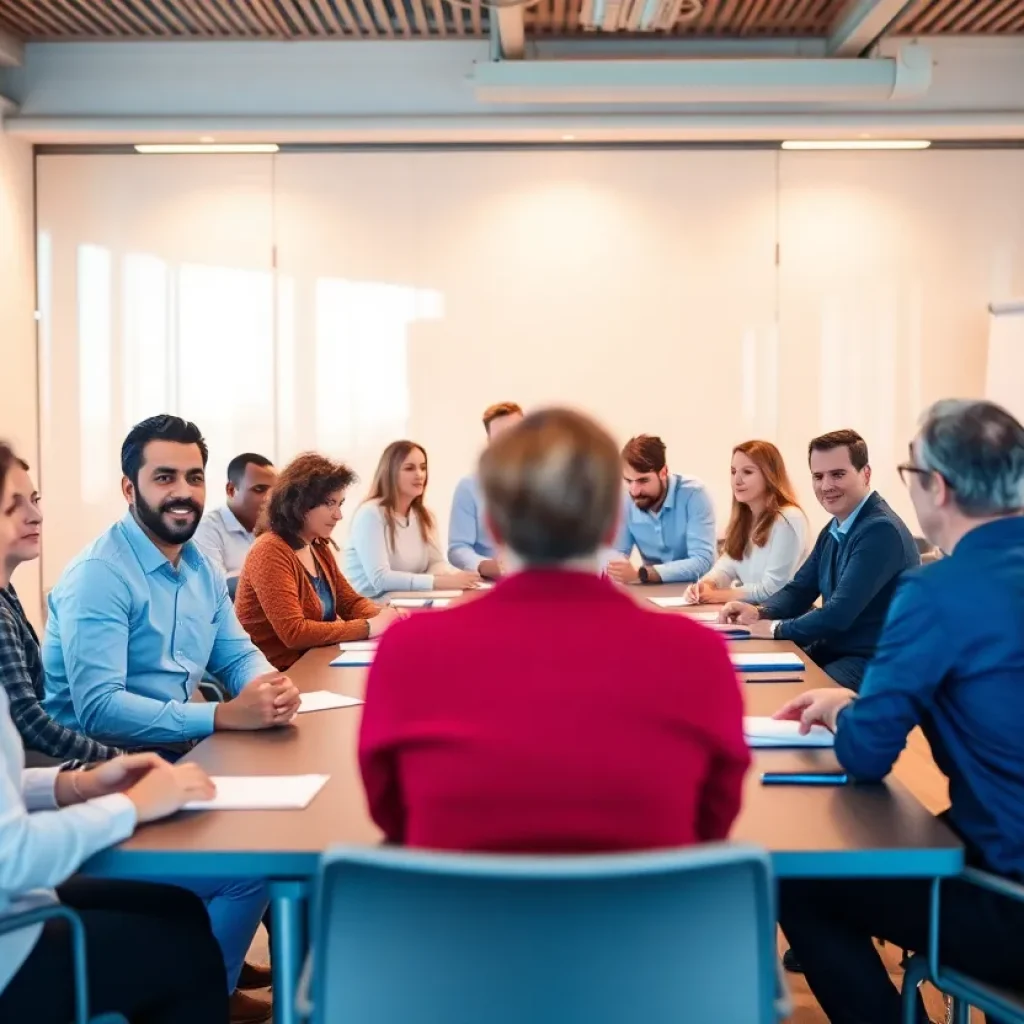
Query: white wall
[(19, 405), (413, 289)]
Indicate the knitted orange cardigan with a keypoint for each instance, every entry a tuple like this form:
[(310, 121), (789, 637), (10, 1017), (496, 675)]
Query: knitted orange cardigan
[(280, 610)]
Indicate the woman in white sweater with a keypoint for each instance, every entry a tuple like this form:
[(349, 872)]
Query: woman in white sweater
[(767, 536), (392, 543)]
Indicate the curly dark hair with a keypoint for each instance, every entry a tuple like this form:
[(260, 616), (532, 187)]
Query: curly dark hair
[(303, 485)]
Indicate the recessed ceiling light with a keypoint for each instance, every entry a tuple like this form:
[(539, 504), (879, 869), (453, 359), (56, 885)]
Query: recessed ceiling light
[(219, 147), (856, 144), (568, 138)]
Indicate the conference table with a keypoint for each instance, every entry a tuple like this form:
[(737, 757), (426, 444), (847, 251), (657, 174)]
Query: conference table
[(809, 831)]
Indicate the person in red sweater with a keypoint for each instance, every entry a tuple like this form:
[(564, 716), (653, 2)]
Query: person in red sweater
[(553, 714)]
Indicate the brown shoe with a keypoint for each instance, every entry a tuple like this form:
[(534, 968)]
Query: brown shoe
[(253, 976), (247, 1009)]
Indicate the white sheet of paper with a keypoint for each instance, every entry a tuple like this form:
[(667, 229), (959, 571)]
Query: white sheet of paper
[(442, 593), (261, 793), (485, 586), (440, 602), (324, 700), (767, 732), (359, 645), (671, 602), (353, 659), (704, 616), (783, 660), (410, 602)]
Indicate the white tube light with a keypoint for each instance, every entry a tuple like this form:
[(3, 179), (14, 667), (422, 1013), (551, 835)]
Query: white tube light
[(819, 144), (213, 147)]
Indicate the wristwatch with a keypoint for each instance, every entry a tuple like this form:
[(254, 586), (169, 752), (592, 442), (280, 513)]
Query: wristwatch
[(645, 576)]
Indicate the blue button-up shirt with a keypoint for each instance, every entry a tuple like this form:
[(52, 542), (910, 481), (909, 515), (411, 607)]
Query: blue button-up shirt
[(469, 540), (679, 539), (129, 637), (951, 659), (840, 530)]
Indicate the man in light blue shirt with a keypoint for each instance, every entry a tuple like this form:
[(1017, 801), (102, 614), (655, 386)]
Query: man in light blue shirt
[(470, 544), (669, 518), (138, 618)]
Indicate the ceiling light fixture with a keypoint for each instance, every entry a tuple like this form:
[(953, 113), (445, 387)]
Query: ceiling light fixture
[(856, 144), (219, 147)]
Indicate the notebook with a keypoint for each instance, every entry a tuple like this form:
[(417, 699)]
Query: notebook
[(774, 662), (672, 602), (324, 700), (354, 659), (729, 630), (261, 793), (767, 732)]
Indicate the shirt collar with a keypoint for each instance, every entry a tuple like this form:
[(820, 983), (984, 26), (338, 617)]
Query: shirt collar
[(1000, 533), (231, 523), (838, 529), (150, 557)]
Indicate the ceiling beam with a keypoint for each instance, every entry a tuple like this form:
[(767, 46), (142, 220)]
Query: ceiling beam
[(12, 50), (509, 32), (860, 23)]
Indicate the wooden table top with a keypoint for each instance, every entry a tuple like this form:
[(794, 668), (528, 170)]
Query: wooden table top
[(824, 830)]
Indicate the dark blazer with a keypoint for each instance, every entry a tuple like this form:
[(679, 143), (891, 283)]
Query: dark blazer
[(855, 577)]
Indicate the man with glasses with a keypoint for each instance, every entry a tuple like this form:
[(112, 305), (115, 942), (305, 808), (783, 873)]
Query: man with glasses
[(854, 567), (950, 660)]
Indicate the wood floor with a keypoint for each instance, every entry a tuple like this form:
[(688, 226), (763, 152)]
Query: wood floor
[(916, 770)]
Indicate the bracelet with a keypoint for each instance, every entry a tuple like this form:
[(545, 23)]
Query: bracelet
[(73, 776)]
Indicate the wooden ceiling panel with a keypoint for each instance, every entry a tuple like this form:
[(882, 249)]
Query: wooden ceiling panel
[(425, 19)]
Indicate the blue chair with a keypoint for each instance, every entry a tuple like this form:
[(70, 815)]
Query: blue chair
[(40, 915), (966, 992), (682, 935)]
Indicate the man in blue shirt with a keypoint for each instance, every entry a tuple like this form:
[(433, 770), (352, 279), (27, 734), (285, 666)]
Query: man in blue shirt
[(950, 660), (669, 519), (854, 567), (134, 623), (470, 544)]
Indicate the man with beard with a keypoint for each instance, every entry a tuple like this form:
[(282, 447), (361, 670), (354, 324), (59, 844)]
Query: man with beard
[(669, 519), (134, 623)]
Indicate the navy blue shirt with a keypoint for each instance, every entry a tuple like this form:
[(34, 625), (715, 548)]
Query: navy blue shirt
[(951, 659), (854, 568)]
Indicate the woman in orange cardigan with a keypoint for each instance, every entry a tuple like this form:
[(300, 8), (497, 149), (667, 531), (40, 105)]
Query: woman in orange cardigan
[(291, 595)]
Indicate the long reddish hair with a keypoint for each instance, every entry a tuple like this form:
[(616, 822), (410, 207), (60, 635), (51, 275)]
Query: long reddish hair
[(743, 531)]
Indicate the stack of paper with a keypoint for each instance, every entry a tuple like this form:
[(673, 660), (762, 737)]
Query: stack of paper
[(784, 662), (324, 700), (359, 645), (261, 793), (768, 732), (354, 659), (422, 602), (672, 602)]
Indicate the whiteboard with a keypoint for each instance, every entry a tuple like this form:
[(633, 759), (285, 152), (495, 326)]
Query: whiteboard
[(1004, 382)]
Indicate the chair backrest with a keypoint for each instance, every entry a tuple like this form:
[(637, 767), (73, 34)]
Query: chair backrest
[(403, 935)]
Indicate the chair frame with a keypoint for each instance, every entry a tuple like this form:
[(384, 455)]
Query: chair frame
[(964, 991), (20, 920), (568, 867)]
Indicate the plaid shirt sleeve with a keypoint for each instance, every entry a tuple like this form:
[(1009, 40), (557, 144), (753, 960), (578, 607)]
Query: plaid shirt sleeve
[(38, 730)]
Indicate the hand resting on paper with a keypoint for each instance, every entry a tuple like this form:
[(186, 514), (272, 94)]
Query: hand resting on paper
[(816, 707)]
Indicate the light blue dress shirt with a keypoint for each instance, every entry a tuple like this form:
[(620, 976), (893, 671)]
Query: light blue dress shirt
[(469, 540), (129, 637), (679, 539), (840, 530)]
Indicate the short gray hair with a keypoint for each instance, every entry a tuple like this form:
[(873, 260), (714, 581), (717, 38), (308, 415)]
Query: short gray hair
[(978, 449)]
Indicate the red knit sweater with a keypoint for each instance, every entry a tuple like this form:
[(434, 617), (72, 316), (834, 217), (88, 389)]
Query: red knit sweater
[(554, 714)]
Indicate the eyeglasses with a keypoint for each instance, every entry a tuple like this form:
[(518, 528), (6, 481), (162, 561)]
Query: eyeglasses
[(907, 469)]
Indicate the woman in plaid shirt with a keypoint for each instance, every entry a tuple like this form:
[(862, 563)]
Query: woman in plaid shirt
[(21, 667)]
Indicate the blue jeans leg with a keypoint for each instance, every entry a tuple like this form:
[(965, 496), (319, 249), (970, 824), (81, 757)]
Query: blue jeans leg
[(235, 909)]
